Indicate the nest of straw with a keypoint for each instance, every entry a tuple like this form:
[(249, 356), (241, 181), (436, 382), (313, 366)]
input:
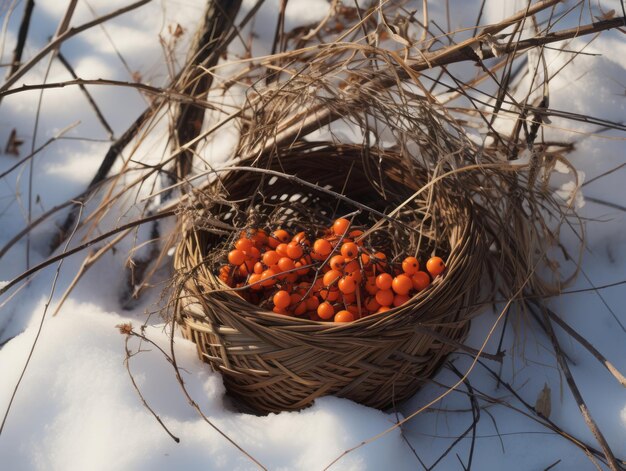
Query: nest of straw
[(272, 362)]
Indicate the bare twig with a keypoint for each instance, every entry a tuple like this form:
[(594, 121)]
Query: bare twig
[(90, 99), (57, 41), (21, 36)]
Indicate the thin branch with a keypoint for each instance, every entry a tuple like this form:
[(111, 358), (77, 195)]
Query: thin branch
[(21, 36), (61, 38), (90, 99)]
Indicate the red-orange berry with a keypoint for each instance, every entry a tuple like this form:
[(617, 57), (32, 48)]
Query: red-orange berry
[(337, 262), (322, 247), (420, 280), (331, 277), (282, 299), (294, 251), (270, 258), (410, 265), (236, 257), (384, 297), (285, 264), (325, 310), (344, 316), (435, 266), (349, 250), (346, 285), (384, 281), (281, 250), (244, 244), (268, 277), (400, 299), (341, 226), (402, 284)]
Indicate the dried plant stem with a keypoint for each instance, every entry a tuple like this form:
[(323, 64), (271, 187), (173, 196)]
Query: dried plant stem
[(209, 45), (143, 399), (21, 36), (588, 346), (584, 410), (90, 99), (61, 38)]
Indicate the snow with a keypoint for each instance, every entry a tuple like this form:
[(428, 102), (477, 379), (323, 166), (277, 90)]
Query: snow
[(76, 407)]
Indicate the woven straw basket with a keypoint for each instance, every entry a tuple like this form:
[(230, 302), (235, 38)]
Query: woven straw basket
[(273, 362)]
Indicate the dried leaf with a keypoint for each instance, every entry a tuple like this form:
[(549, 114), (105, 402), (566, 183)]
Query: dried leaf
[(13, 144), (543, 406), (125, 329)]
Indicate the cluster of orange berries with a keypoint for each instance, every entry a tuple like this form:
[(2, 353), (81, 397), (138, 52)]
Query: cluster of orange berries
[(332, 278)]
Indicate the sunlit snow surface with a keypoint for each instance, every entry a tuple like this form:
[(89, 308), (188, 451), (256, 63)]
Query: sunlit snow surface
[(76, 408)]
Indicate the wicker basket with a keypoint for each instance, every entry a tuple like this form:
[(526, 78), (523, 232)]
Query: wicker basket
[(274, 363)]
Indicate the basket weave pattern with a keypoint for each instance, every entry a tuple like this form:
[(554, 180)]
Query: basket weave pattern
[(272, 363)]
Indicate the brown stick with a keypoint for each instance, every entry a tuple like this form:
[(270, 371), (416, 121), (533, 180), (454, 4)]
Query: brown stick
[(21, 37), (590, 348), (58, 40), (209, 45), (584, 410), (90, 99)]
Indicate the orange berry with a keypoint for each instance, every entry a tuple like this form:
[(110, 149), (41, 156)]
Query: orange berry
[(281, 250), (355, 233), (370, 285), (371, 304), (420, 280), (337, 262), (254, 281), (281, 299), (236, 257), (279, 310), (400, 299), (270, 258), (303, 271), (385, 297), (349, 250), (329, 294), (347, 285), (365, 259), (253, 253), (341, 226), (285, 264), (410, 265), (402, 284), (258, 268), (281, 235), (435, 266), (297, 301), (322, 247), (331, 277), (380, 257), (312, 303), (383, 308), (294, 251), (344, 316), (318, 284), (348, 297), (291, 277), (354, 270), (300, 238), (244, 244), (243, 270), (267, 277), (384, 281), (325, 310), (259, 238)]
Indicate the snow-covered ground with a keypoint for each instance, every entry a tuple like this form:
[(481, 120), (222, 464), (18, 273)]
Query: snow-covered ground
[(76, 408)]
